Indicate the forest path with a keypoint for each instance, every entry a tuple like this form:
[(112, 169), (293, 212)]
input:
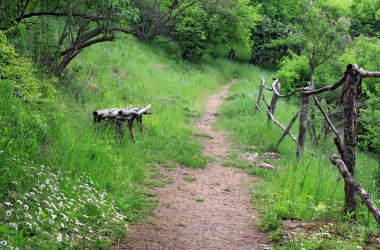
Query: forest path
[(202, 208)]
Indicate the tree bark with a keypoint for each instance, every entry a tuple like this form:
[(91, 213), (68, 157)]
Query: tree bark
[(350, 181), (303, 125), (349, 96)]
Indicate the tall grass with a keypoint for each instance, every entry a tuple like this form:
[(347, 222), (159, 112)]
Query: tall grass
[(77, 152), (310, 189), (128, 73)]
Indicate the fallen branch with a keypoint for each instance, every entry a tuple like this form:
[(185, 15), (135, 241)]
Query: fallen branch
[(337, 161)]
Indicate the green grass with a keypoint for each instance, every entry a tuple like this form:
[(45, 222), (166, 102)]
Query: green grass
[(311, 189), (119, 74)]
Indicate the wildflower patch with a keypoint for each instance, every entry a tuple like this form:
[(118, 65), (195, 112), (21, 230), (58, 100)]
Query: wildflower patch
[(59, 212)]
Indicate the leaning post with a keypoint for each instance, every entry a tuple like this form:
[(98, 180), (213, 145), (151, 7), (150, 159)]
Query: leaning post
[(304, 116), (276, 86)]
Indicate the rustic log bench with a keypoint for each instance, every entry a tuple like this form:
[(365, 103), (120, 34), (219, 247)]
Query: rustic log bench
[(122, 115)]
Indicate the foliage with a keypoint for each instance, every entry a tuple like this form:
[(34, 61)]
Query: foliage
[(22, 74), (272, 37), (294, 72), (69, 27), (272, 41), (365, 18), (211, 26)]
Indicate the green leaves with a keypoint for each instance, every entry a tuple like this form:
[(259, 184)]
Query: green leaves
[(216, 26)]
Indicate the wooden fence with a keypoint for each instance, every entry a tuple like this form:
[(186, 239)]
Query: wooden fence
[(351, 82)]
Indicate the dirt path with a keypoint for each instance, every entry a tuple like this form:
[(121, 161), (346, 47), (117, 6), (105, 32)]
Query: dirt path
[(202, 209)]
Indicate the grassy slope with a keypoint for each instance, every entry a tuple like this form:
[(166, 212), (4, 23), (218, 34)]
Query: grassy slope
[(127, 73), (306, 190)]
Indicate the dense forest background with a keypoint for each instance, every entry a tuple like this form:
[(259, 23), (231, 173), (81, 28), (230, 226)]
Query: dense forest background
[(56, 68)]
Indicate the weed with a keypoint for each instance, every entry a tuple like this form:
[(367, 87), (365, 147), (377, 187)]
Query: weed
[(190, 178), (199, 200), (180, 224)]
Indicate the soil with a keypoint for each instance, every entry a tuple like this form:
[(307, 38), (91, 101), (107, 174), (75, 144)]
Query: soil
[(207, 208)]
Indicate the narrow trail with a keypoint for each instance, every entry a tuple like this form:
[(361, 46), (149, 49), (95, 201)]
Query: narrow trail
[(213, 211)]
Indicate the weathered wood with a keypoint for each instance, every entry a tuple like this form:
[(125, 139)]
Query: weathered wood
[(288, 128), (265, 102), (282, 127), (260, 96), (120, 128), (131, 129), (350, 181), (128, 112), (139, 122), (328, 122), (364, 73), (326, 88), (122, 115), (276, 85), (304, 112), (350, 93), (144, 110)]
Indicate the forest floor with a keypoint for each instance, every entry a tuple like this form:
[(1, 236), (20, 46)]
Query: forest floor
[(207, 208)]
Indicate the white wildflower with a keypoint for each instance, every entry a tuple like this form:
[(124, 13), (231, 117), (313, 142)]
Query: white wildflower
[(8, 213), (53, 216), (28, 225), (62, 225), (20, 202), (76, 230), (26, 207), (59, 237), (65, 217), (8, 204), (4, 243)]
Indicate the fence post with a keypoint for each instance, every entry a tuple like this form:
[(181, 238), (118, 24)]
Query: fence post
[(260, 93), (350, 92), (276, 85), (302, 130)]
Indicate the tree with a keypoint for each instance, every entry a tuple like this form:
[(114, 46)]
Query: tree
[(80, 23), (215, 25), (322, 37)]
